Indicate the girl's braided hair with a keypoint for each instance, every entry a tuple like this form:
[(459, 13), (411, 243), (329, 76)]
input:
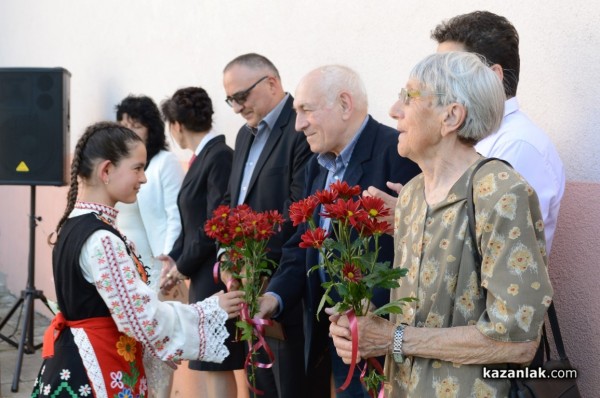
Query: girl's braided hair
[(103, 140)]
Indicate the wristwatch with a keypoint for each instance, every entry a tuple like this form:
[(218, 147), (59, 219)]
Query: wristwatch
[(397, 348)]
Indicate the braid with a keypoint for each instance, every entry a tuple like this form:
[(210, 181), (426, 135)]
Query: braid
[(74, 187), (111, 143)]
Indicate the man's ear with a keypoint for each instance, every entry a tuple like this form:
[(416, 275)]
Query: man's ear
[(453, 118), (347, 104), (497, 69)]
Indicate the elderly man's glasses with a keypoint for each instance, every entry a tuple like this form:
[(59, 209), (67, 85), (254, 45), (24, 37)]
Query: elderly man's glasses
[(241, 96), (405, 96)]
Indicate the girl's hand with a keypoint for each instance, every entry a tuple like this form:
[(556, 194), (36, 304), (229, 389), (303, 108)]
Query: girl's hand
[(231, 302)]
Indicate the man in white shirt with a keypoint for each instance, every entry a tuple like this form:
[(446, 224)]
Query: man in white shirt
[(518, 140)]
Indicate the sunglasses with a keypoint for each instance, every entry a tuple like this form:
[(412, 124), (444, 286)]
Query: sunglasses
[(241, 96)]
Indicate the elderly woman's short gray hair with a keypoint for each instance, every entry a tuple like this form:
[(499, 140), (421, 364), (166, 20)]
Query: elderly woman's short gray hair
[(464, 78)]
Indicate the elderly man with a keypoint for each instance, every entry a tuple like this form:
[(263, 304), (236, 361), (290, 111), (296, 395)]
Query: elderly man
[(331, 104), (268, 174)]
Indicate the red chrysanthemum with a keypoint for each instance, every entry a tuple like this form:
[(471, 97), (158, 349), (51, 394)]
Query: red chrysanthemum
[(326, 196), (222, 212), (375, 207), (345, 191), (371, 226), (213, 228), (345, 210), (302, 211), (351, 272), (274, 217), (313, 238)]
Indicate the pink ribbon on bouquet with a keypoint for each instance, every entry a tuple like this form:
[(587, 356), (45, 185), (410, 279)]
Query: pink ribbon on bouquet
[(375, 363), (354, 334), (216, 275), (258, 328)]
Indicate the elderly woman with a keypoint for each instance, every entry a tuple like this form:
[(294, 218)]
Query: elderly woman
[(466, 315)]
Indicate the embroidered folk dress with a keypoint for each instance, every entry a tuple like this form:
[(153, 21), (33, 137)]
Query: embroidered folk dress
[(109, 315), (433, 243)]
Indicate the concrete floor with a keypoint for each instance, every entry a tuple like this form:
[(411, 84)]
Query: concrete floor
[(8, 354)]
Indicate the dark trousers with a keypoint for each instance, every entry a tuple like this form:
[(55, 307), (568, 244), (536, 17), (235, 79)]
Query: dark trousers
[(286, 379)]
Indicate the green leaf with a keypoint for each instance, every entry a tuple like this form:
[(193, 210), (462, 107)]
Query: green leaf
[(246, 330), (393, 307), (324, 299)]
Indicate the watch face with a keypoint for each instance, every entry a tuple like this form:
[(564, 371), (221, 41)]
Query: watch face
[(398, 358)]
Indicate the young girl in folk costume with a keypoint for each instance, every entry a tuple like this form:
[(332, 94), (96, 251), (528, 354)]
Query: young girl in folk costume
[(108, 313)]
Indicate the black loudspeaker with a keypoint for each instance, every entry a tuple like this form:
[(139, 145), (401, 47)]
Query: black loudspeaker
[(34, 126)]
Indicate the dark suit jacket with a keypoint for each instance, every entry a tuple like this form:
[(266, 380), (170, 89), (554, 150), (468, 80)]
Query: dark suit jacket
[(375, 161), (201, 192), (277, 180)]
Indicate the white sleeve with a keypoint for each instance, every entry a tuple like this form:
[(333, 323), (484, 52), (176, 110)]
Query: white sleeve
[(171, 176), (169, 330)]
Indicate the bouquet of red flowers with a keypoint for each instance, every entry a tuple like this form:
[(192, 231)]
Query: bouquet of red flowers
[(244, 233), (350, 253)]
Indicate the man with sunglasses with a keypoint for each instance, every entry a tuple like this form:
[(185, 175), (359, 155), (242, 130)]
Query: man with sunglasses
[(268, 174)]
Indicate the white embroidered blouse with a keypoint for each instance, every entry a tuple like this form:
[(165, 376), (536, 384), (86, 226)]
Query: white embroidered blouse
[(169, 330)]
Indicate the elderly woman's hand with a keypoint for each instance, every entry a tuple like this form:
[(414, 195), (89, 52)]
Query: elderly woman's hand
[(375, 336)]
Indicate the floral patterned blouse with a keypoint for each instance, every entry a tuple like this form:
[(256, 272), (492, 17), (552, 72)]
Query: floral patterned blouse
[(433, 243)]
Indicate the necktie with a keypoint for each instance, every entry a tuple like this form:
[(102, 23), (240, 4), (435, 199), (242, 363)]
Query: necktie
[(192, 160)]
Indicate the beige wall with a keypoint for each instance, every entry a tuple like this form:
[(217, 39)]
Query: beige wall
[(114, 47)]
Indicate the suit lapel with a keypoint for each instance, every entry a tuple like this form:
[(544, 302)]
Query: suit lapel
[(274, 137), (237, 168), (196, 166), (362, 153)]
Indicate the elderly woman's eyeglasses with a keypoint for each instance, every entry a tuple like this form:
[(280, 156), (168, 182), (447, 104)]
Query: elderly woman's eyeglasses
[(405, 96), (241, 96)]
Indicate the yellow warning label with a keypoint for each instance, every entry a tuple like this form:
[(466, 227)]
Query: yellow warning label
[(22, 167)]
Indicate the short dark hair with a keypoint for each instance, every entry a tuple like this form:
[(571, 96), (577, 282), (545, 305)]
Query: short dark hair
[(253, 61), (191, 107), (487, 34), (144, 110)]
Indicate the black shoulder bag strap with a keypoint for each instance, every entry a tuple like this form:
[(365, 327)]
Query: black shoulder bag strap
[(471, 210)]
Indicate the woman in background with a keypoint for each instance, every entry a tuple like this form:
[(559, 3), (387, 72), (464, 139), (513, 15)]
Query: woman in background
[(152, 222), (189, 114)]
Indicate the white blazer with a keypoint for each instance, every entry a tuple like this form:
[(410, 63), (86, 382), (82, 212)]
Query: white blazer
[(157, 200)]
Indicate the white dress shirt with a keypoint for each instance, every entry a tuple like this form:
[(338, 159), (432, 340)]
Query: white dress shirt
[(529, 150)]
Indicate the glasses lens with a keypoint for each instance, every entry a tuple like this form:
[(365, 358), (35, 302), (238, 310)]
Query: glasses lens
[(242, 96), (403, 96)]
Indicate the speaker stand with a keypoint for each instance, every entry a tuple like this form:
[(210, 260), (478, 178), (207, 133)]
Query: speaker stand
[(27, 300)]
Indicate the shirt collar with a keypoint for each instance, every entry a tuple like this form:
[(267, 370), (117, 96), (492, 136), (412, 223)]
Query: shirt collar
[(328, 160), (110, 213), (511, 105), (211, 134), (272, 116)]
